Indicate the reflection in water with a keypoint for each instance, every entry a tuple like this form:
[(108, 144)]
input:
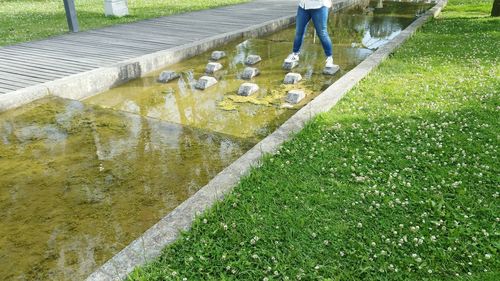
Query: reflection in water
[(79, 182)]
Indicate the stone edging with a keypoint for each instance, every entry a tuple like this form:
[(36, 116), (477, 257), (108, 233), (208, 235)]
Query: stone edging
[(149, 245)]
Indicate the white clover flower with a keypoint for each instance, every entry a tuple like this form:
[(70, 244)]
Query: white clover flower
[(487, 256)]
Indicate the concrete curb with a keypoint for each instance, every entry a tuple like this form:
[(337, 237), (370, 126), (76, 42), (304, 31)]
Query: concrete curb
[(166, 231)]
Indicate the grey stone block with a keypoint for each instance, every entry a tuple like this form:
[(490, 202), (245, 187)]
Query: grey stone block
[(247, 89), (205, 82), (292, 78), (217, 55), (290, 64), (249, 73), (252, 59), (167, 76), (295, 96), (212, 67), (116, 8), (331, 70)]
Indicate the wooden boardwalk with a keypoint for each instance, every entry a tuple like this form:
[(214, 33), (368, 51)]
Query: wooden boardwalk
[(28, 64)]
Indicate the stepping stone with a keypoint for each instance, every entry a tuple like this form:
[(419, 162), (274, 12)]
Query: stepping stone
[(247, 89), (249, 73), (205, 82), (217, 55), (290, 64), (331, 70), (252, 59), (212, 67), (295, 96), (167, 76), (292, 78)]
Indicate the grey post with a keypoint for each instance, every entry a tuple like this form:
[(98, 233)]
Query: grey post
[(69, 6)]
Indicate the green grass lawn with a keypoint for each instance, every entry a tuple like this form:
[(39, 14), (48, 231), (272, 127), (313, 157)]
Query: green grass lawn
[(400, 181), (26, 20)]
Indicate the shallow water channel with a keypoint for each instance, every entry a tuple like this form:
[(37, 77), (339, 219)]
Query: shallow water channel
[(79, 180)]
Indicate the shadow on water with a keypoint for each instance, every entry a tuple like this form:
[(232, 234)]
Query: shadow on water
[(80, 181)]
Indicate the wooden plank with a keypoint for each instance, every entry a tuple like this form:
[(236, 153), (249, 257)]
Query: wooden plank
[(179, 26), (165, 29), (64, 50), (17, 77), (8, 88), (95, 45), (157, 37), (105, 42), (18, 84), (134, 41), (34, 73), (33, 61), (84, 46), (39, 70), (43, 55), (78, 55)]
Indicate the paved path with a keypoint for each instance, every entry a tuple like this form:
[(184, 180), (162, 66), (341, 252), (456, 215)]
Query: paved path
[(37, 62)]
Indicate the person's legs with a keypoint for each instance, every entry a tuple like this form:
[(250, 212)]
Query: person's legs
[(320, 20), (303, 18)]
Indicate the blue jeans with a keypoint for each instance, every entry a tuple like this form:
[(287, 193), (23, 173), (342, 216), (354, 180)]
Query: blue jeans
[(320, 20)]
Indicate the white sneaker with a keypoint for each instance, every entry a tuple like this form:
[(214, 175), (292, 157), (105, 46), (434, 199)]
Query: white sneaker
[(329, 62), (292, 57)]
